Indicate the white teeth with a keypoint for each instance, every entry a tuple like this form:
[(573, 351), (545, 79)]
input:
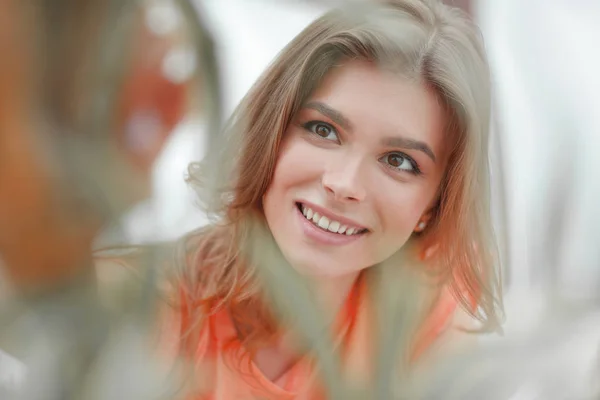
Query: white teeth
[(324, 222), (333, 226), (316, 218)]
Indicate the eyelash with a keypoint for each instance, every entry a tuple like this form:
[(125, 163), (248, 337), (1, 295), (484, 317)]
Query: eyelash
[(415, 167), (311, 125)]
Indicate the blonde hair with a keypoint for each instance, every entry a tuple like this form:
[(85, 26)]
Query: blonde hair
[(422, 40)]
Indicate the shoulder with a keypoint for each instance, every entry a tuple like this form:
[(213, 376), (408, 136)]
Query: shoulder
[(122, 275), (115, 279), (454, 335), (122, 281), (460, 333)]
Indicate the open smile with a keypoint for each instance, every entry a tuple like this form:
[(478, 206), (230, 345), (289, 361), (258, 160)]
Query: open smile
[(328, 229)]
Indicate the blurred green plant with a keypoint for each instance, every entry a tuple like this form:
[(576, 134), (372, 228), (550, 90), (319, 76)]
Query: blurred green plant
[(84, 343)]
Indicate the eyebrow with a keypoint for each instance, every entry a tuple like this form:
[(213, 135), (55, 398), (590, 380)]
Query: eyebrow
[(395, 141), (333, 114), (391, 141)]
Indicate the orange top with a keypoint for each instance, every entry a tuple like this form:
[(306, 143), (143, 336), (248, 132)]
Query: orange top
[(226, 368)]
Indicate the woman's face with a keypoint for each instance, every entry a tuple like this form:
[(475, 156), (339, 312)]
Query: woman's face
[(359, 168)]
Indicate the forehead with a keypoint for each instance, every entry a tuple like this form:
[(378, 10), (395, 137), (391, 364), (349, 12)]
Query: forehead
[(379, 102)]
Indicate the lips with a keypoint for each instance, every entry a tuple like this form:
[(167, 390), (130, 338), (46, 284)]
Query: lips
[(329, 223)]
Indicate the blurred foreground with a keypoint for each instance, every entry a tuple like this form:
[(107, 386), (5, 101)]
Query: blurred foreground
[(95, 154)]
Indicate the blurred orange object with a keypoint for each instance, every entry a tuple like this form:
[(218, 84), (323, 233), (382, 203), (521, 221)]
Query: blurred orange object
[(45, 232)]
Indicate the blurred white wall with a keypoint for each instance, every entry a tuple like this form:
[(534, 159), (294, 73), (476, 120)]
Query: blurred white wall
[(545, 61)]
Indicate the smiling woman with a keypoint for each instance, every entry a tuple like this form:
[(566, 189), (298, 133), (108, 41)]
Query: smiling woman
[(365, 138), (358, 157)]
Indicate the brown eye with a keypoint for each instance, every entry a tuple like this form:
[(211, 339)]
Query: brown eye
[(322, 130), (395, 160), (401, 162)]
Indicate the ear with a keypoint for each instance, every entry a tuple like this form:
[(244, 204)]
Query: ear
[(424, 221), (428, 246)]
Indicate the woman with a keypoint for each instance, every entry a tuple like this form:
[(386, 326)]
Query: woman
[(366, 137)]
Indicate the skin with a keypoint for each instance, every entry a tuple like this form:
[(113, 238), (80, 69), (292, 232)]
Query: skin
[(355, 149)]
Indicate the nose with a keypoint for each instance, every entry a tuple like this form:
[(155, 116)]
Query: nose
[(343, 182)]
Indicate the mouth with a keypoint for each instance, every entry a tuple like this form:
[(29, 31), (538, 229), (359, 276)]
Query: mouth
[(328, 224)]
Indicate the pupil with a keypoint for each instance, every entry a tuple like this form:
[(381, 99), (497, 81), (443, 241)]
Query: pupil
[(395, 160), (322, 130)]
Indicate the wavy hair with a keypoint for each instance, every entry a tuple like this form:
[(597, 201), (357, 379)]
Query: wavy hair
[(424, 41)]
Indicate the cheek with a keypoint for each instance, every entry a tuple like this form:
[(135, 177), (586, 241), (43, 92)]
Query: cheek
[(297, 165), (399, 207), (400, 213), (295, 170)]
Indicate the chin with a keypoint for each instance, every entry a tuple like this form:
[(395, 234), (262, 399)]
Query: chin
[(312, 265)]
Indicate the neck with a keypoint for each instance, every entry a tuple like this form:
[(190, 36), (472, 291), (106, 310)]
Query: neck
[(331, 295)]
